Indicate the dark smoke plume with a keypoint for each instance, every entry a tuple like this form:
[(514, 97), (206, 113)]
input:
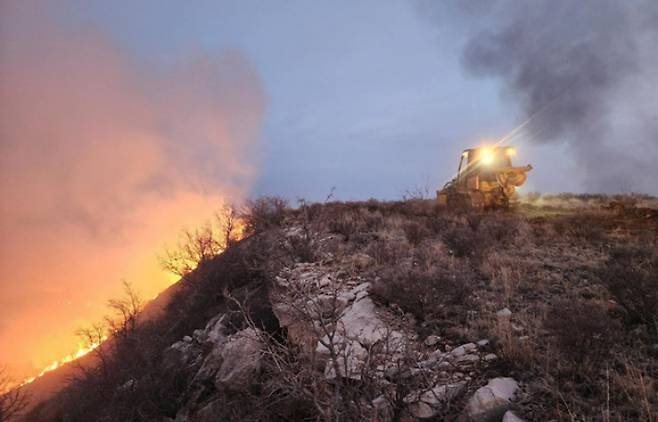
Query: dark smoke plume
[(586, 73)]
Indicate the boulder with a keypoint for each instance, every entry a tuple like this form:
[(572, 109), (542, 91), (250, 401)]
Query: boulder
[(360, 322), (300, 332), (490, 402), (240, 360), (427, 404)]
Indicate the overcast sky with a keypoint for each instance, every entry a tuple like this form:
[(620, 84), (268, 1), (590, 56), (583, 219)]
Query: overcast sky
[(368, 96)]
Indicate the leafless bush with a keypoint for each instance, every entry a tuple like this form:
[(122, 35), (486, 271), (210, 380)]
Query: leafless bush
[(345, 223), (415, 232), (13, 399), (435, 294), (196, 247), (631, 275), (639, 389), (584, 226), (302, 246), (584, 334), (264, 213), (372, 220), (386, 252)]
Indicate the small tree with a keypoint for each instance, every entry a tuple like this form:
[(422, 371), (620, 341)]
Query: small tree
[(196, 247), (13, 400)]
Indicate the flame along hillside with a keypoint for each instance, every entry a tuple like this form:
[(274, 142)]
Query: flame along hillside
[(398, 311), (82, 351), (57, 375), (225, 227)]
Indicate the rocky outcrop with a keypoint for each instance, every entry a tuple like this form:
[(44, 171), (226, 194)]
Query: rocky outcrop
[(222, 362), (240, 360)]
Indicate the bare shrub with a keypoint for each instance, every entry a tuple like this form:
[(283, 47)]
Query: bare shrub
[(505, 272), (345, 223), (639, 389), (386, 252), (631, 275), (197, 247), (13, 399), (415, 232), (584, 226), (434, 294), (583, 334), (372, 220), (264, 213)]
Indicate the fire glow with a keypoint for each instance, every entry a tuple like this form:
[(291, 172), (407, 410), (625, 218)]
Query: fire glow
[(82, 351)]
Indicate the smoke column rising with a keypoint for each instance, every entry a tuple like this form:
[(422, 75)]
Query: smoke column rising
[(594, 62), (102, 161)]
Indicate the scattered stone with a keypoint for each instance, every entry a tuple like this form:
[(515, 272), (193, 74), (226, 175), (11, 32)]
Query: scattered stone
[(490, 357), (432, 340), (483, 343), (187, 339), (511, 417), (463, 349), (490, 402), (428, 404), (504, 313), (468, 359)]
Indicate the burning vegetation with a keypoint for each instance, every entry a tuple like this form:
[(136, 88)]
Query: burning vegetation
[(390, 311)]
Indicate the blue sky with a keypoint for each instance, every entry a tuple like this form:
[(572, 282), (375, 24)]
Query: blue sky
[(369, 97)]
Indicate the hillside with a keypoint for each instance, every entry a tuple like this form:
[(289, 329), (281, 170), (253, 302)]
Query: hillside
[(397, 311)]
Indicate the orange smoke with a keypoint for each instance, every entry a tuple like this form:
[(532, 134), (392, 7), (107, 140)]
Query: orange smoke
[(102, 162)]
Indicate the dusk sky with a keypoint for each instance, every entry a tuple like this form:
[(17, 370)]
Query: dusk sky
[(124, 121)]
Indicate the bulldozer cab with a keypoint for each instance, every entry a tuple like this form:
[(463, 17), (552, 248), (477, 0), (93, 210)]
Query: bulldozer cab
[(484, 162)]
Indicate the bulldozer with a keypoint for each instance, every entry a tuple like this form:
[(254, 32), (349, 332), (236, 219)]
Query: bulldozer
[(485, 179)]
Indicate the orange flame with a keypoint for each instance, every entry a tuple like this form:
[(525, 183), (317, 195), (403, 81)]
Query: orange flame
[(82, 350)]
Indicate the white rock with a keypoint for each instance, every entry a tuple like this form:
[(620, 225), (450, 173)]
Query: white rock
[(490, 402), (463, 349), (360, 321), (427, 404), (490, 357), (348, 363), (511, 417), (432, 340), (240, 360), (504, 313), (216, 329), (483, 343)]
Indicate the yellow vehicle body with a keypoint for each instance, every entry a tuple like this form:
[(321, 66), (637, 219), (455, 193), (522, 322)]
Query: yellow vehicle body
[(485, 179)]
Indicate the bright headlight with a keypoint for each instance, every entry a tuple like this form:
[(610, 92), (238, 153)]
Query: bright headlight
[(487, 156), (511, 152)]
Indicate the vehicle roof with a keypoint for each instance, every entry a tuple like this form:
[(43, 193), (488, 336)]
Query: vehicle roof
[(494, 147)]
